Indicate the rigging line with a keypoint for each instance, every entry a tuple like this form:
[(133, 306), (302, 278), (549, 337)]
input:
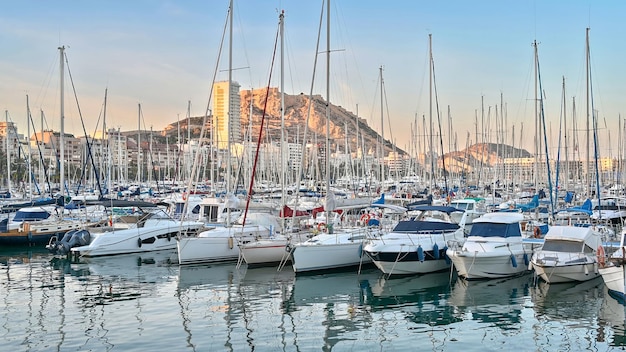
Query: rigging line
[(384, 93), (290, 59), (85, 164), (80, 114), (21, 152), (595, 134), (373, 104), (245, 51), (309, 108), (543, 123), (150, 151), (258, 145), (45, 168), (196, 157), (443, 159)]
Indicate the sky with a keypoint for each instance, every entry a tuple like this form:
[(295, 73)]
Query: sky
[(162, 54)]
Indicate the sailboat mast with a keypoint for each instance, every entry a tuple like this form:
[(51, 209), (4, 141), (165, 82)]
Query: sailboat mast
[(430, 110), (30, 178), (41, 170), (6, 119), (105, 139), (537, 130), (139, 143), (188, 157), (62, 117), (565, 137), (382, 131), (587, 127), (283, 151), (327, 108), (230, 84)]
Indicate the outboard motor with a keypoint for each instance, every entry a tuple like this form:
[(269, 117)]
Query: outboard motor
[(72, 238)]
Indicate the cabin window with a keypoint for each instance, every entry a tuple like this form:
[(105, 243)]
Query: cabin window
[(562, 246), (484, 229)]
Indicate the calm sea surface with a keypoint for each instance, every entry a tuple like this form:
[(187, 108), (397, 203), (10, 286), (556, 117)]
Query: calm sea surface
[(143, 303)]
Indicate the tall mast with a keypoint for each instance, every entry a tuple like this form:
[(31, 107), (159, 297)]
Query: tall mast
[(188, 158), (588, 129), (565, 137), (139, 143), (283, 151), (62, 116), (7, 142), (105, 139), (30, 178), (358, 175), (537, 129), (382, 131), (327, 110), (230, 83), (430, 110), (41, 171)]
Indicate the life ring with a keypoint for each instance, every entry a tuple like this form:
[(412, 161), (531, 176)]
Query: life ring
[(321, 227), (365, 219), (600, 255), (184, 195), (537, 232)]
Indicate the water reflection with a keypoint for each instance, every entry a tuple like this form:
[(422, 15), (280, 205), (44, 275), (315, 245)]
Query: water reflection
[(568, 301), (498, 302), (110, 303), (611, 316), (425, 295)]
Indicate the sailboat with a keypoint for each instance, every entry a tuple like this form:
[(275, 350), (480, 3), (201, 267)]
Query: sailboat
[(218, 244), (418, 245), (274, 249), (336, 248)]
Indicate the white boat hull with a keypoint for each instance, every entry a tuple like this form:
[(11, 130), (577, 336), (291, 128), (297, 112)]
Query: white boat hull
[(194, 250), (153, 237), (398, 254), (483, 265), (219, 244), (566, 273), (613, 277), (329, 251), (265, 252)]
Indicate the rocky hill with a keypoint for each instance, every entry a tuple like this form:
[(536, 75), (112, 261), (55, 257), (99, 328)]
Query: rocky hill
[(296, 111), (487, 154)]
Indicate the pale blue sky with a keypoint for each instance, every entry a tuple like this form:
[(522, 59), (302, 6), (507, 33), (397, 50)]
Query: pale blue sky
[(162, 54)]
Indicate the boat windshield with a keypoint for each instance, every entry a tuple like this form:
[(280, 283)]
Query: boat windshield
[(563, 246), (462, 206), (485, 229)]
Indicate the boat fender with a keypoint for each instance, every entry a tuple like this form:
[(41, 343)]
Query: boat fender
[(445, 255), (526, 261), (361, 250), (600, 255), (169, 237), (435, 251), (513, 261), (420, 253), (230, 243), (139, 242)]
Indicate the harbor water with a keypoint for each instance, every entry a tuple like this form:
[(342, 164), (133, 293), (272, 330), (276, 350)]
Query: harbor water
[(145, 303)]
